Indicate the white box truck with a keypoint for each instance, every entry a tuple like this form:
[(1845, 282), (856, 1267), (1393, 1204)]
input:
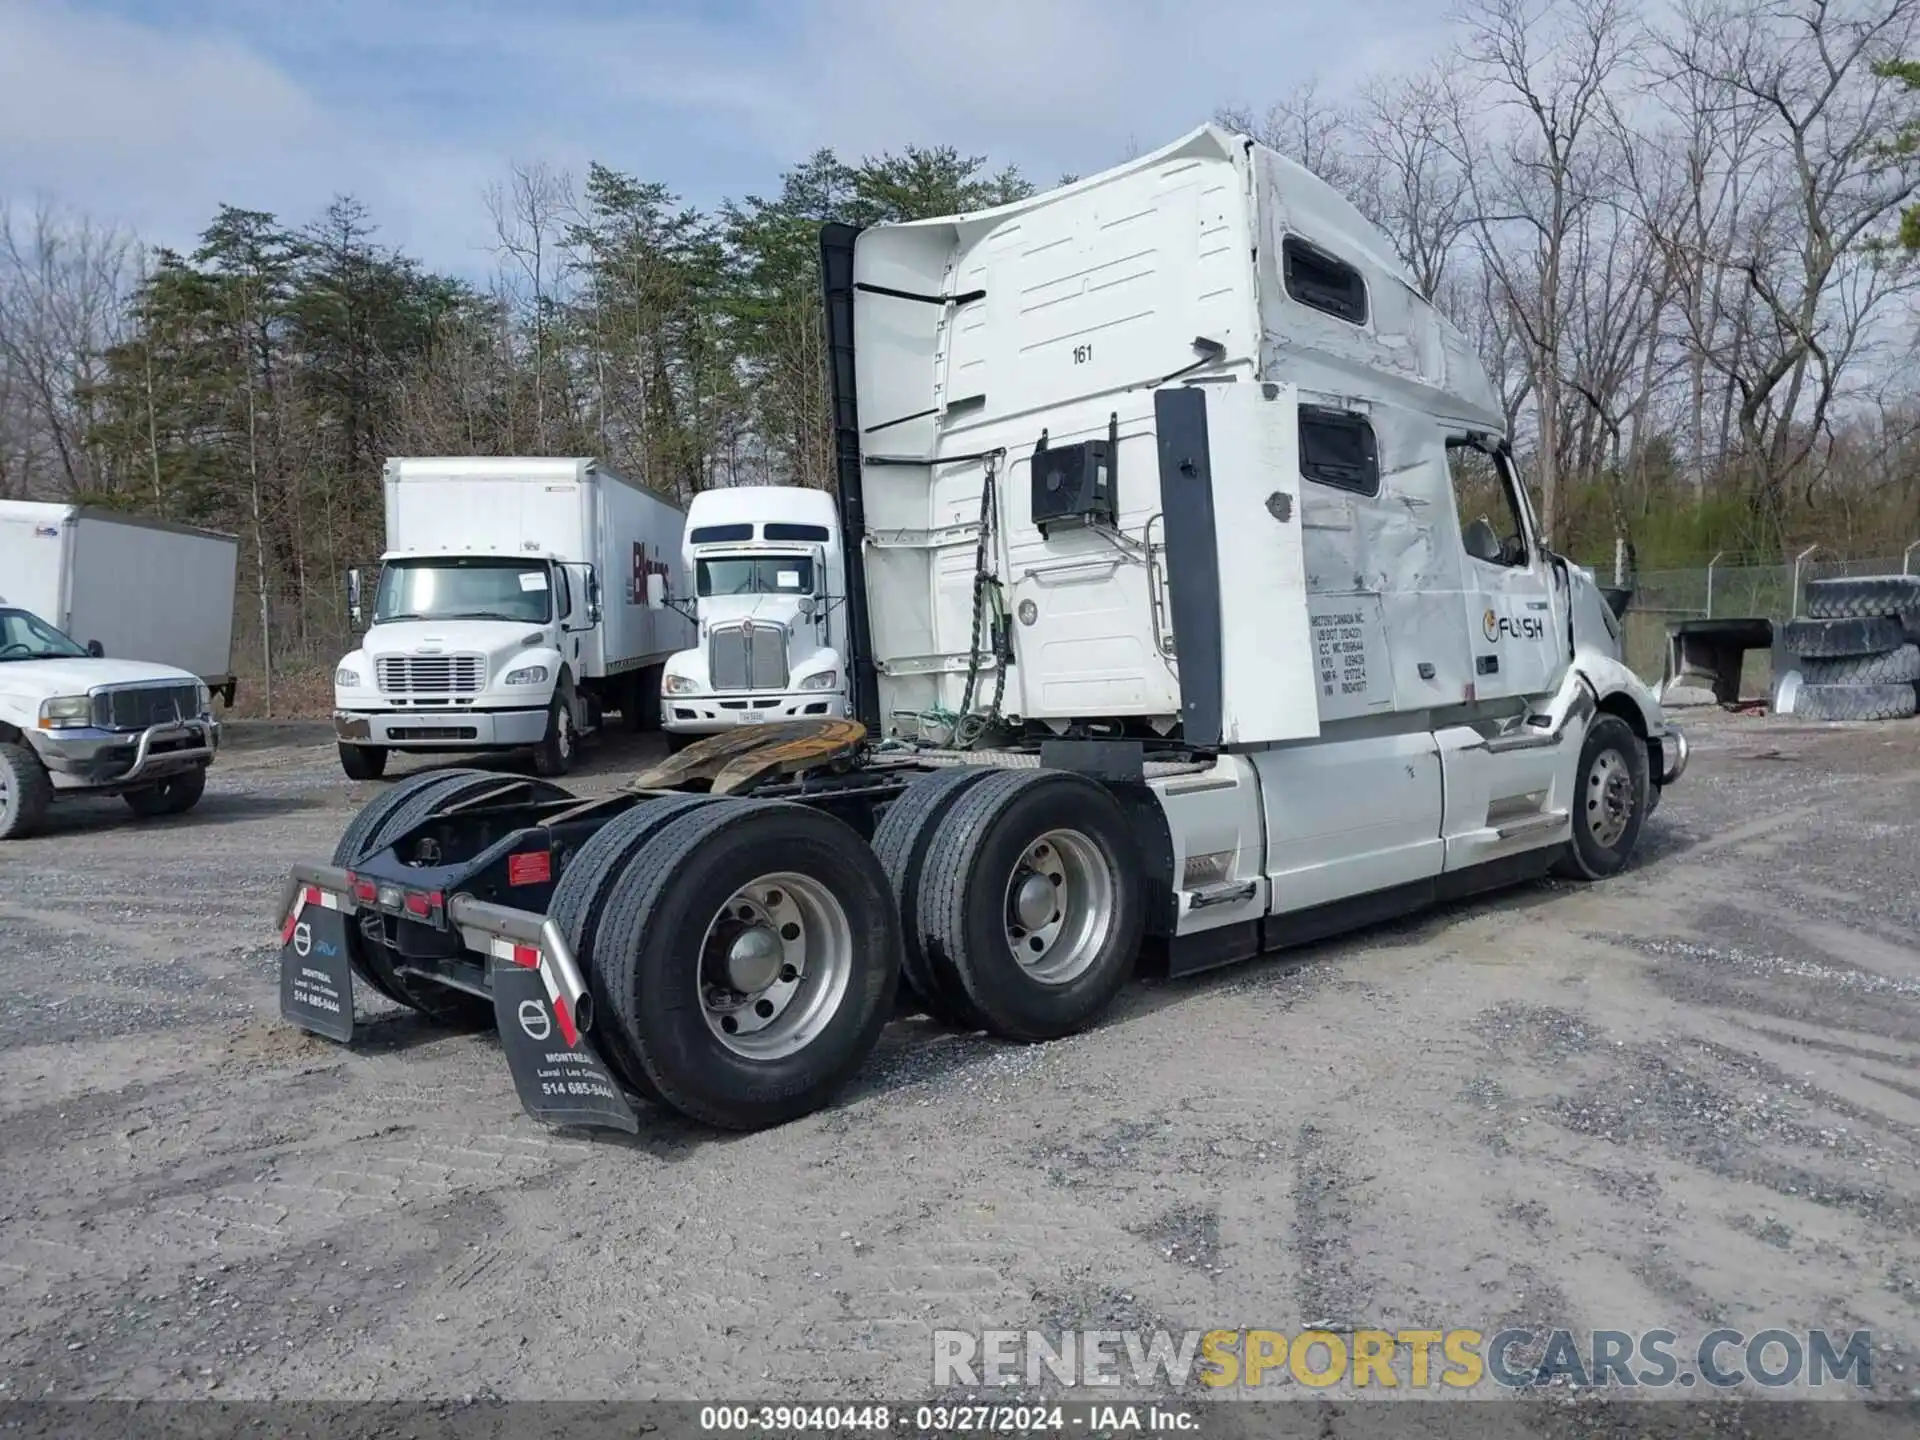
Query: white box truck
[(1175, 492), (769, 584), (143, 589), (520, 600)]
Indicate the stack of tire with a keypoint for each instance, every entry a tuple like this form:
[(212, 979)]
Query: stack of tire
[(1858, 648)]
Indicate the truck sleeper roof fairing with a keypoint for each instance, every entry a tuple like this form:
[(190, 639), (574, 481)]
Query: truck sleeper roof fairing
[(1210, 260)]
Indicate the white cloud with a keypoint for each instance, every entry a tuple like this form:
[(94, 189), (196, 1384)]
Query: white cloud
[(415, 108)]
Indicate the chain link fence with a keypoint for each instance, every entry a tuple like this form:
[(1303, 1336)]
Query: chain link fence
[(1727, 591)]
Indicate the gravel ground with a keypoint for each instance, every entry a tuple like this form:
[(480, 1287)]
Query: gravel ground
[(1686, 1097)]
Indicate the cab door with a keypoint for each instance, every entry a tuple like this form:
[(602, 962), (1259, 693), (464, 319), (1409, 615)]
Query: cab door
[(1517, 642)]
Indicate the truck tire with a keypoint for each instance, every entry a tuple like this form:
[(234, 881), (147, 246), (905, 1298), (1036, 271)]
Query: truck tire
[(553, 756), (174, 795), (25, 791), (363, 762), (579, 903), (901, 842), (1862, 596), (1031, 896), (1827, 639), (351, 849), (1853, 702), (752, 954), (1896, 667), (640, 699), (1610, 801), (439, 1003)]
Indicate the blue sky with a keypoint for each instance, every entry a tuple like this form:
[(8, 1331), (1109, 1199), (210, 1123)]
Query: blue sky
[(148, 113)]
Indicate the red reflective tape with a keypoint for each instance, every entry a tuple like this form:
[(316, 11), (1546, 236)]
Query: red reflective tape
[(286, 930), (532, 867), (314, 897), (526, 956), (568, 1031)]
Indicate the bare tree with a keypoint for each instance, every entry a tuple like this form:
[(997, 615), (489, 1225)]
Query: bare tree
[(1409, 181), (64, 285), (1527, 136), (530, 214), (1304, 128), (1802, 270)]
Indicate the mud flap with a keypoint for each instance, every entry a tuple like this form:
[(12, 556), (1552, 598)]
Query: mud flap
[(560, 1079), (316, 978)]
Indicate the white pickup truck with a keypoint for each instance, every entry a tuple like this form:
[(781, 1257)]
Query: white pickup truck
[(73, 722)]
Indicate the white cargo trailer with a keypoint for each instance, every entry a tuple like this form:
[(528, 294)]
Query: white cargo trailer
[(520, 600), (145, 589)]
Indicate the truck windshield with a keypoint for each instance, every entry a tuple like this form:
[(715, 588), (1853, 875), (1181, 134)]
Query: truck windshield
[(756, 575), (25, 636), (460, 587)]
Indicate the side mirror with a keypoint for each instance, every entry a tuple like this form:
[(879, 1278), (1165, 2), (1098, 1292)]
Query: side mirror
[(656, 590), (353, 595), (96, 649), (806, 607)]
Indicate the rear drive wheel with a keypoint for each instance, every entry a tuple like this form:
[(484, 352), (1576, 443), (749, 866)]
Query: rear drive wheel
[(1610, 801), (901, 842), (174, 795), (363, 762), (579, 902), (351, 847), (752, 953), (553, 756), (1031, 898), (438, 792), (25, 791)]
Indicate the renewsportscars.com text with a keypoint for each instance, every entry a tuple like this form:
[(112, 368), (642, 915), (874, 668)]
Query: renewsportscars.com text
[(1456, 1359)]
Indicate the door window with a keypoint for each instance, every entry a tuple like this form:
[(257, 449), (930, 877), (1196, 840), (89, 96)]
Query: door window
[(1492, 529)]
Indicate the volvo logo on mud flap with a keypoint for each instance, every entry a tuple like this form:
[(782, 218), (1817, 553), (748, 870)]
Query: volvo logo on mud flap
[(535, 1020), (303, 939), (1502, 627)]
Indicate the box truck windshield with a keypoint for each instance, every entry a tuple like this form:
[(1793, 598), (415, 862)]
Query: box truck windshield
[(756, 575), (463, 588)]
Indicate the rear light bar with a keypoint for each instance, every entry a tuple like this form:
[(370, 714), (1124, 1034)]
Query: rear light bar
[(429, 907)]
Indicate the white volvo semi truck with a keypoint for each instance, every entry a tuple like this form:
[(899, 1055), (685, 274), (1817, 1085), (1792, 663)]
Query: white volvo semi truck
[(770, 595), (519, 601), (1171, 488)]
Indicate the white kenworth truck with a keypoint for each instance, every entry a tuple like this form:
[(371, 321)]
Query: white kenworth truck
[(1174, 492), (770, 599), (519, 601)]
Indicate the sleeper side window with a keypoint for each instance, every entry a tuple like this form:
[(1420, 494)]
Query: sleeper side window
[(1337, 448), (1323, 281), (1491, 527)]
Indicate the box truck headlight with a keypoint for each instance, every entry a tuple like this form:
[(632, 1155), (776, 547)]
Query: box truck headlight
[(679, 685), (346, 679), (527, 675), (66, 712), (825, 680)]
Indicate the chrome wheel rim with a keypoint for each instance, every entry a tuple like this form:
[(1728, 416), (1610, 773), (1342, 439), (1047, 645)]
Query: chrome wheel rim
[(6, 794), (1609, 801), (1059, 909), (563, 730), (775, 964)]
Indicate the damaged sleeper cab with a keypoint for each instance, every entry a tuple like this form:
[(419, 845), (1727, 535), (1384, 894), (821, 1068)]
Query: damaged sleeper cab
[(1168, 504)]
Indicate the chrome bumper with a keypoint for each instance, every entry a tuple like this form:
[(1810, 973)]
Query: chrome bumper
[(117, 757), (1674, 752)]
